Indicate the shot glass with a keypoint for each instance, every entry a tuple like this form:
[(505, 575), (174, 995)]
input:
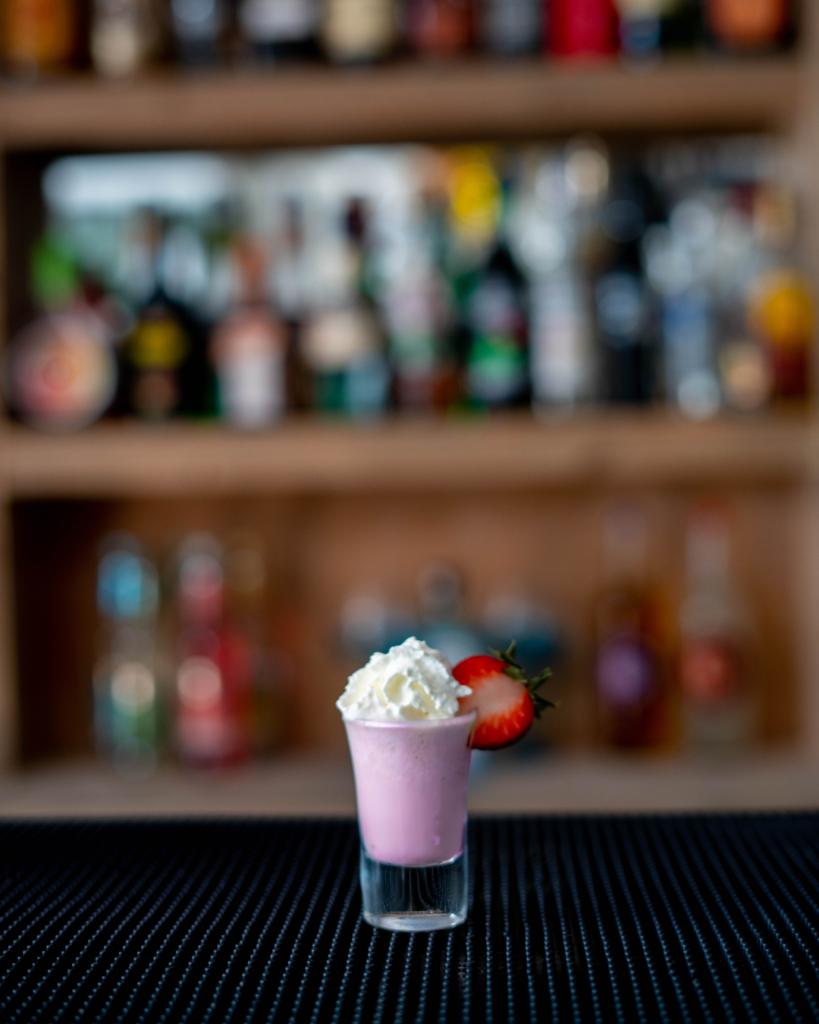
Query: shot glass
[(410, 780)]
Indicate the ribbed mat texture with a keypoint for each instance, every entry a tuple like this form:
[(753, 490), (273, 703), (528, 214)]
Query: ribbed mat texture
[(572, 919)]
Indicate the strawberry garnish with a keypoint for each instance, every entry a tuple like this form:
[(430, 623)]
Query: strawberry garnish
[(506, 700)]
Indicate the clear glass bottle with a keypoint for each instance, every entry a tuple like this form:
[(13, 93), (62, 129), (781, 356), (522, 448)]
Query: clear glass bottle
[(214, 667), (124, 36), (343, 338), (249, 346), (718, 713), (280, 30), (198, 27), (127, 714), (511, 28), (418, 317)]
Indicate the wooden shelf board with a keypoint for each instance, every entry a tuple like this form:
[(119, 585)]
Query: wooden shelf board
[(128, 460), (323, 785), (400, 102)]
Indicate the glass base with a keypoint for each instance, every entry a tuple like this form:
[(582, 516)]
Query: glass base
[(421, 921), (402, 899)]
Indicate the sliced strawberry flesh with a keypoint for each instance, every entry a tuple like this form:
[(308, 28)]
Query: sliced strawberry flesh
[(505, 709)]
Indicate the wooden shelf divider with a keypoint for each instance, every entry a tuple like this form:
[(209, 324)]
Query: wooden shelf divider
[(129, 460), (469, 99)]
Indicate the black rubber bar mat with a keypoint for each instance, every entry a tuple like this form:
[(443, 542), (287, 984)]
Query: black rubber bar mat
[(572, 919)]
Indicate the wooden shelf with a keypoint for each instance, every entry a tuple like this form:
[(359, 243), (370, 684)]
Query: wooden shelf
[(400, 102), (122, 460), (323, 785)]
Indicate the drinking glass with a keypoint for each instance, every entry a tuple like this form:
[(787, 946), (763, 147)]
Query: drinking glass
[(410, 780)]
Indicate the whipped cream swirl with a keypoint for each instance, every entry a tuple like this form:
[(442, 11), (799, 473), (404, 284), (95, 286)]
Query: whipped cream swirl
[(411, 682)]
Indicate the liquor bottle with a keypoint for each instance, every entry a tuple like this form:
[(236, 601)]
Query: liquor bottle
[(124, 36), (688, 322), (280, 30), (292, 277), (511, 28), (443, 622), (782, 314), (198, 27), (681, 26), (582, 29), (127, 719), (342, 340), (359, 31), (497, 371), (630, 673), (246, 587), (640, 28), (214, 666), (713, 666), (418, 316), (39, 36), (562, 340), (780, 305), (684, 282), (62, 371), (439, 28), (621, 298), (163, 360), (561, 211), (748, 24), (249, 347)]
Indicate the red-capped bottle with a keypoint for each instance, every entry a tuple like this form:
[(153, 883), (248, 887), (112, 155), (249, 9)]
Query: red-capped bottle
[(582, 28)]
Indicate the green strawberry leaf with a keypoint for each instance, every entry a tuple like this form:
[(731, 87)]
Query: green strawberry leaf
[(516, 671)]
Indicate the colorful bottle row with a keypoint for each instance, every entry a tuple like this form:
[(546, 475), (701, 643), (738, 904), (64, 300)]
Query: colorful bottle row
[(192, 673), (122, 37), (661, 679), (354, 282), (658, 675)]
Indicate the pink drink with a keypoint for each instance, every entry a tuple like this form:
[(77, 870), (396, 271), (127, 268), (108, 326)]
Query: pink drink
[(410, 781)]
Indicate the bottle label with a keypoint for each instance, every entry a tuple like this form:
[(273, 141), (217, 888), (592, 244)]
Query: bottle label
[(335, 339), (359, 29), (497, 370), (63, 373), (625, 673), (158, 343), (709, 671)]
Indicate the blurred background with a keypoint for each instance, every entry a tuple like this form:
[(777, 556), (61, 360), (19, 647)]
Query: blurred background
[(331, 322)]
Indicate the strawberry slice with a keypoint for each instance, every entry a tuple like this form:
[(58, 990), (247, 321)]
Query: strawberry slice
[(506, 700)]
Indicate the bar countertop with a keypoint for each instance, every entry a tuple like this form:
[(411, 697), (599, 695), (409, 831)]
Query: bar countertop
[(572, 918)]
